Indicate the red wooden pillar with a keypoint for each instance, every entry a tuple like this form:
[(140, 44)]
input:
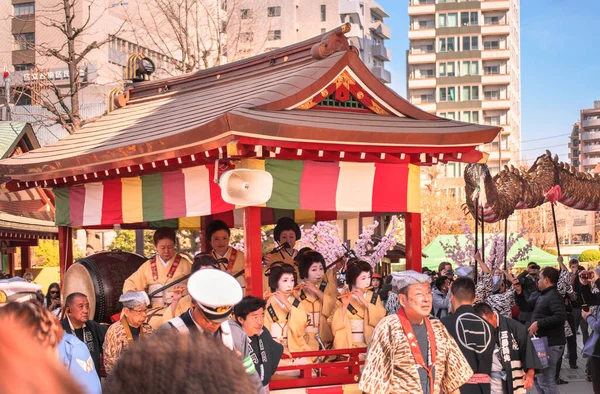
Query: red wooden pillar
[(65, 249), (413, 241), (10, 259), (253, 251), (25, 258)]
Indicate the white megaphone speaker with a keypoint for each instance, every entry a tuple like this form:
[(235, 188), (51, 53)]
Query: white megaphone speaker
[(246, 187)]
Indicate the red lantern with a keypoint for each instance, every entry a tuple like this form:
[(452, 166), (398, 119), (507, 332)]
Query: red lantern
[(6, 74)]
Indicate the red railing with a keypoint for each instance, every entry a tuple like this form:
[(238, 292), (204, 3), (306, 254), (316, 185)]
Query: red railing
[(345, 371)]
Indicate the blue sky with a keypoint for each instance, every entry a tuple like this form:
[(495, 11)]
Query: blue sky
[(560, 67)]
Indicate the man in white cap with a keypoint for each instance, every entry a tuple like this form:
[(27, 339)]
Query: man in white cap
[(130, 328), (411, 352), (214, 293)]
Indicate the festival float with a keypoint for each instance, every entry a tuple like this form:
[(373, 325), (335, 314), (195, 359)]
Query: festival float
[(336, 142)]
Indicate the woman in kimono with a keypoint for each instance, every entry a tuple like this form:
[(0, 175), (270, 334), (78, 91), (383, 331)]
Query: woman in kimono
[(359, 311), (218, 234), (317, 296), (285, 231), (284, 318)]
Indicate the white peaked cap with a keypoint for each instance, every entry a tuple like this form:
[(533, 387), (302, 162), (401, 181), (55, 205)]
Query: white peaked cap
[(17, 289), (215, 291)]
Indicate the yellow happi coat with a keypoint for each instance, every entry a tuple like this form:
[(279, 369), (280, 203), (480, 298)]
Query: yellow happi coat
[(289, 329), (143, 280), (238, 265), (317, 316), (355, 330)]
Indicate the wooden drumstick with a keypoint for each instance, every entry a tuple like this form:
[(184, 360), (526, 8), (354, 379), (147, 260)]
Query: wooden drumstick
[(348, 294)]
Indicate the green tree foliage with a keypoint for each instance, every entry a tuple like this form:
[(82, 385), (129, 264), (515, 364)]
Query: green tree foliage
[(46, 254), (125, 241), (589, 256)]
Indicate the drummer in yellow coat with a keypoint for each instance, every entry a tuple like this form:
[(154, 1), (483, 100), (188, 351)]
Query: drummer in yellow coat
[(218, 234), (317, 296), (357, 314), (165, 267), (285, 231)]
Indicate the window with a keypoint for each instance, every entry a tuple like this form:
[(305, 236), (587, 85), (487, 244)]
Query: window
[(492, 95), (451, 46), (442, 45), (247, 37), (470, 68), (274, 35), (323, 31), (323, 12), (246, 14), (489, 70), (492, 120), (492, 20), (24, 41), (450, 115), (428, 73), (470, 43), (448, 94), (273, 11), (423, 49), (442, 20), (491, 45), (474, 18), (453, 19), (427, 98), (450, 68), (428, 24), (25, 9), (470, 93), (23, 67), (224, 5), (442, 69)]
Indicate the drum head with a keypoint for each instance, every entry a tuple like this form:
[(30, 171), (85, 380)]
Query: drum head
[(78, 280)]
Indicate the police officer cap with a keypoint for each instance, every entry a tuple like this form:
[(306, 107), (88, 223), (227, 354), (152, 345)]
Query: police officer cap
[(17, 289), (215, 293)]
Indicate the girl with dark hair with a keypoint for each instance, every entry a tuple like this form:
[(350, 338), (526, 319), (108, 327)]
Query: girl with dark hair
[(317, 297), (284, 318), (361, 309), (52, 301), (218, 234)]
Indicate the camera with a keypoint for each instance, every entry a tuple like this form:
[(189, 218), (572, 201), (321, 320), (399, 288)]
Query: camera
[(585, 307), (585, 275)]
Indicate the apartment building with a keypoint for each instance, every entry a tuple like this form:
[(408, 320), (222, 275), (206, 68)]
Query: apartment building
[(284, 22), (463, 63)]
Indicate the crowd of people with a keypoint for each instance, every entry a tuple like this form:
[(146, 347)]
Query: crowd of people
[(448, 331)]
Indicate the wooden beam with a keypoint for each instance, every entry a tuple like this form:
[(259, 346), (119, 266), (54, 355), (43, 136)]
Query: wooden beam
[(253, 252), (65, 249), (413, 241), (10, 259)]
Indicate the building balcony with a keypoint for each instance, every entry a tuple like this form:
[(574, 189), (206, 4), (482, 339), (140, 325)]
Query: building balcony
[(495, 79), (381, 52), (352, 7), (382, 29), (424, 8), (26, 56), (587, 136), (421, 83), (495, 104), (376, 8), (23, 24), (425, 106), (493, 30), (591, 122), (355, 30), (591, 149), (590, 162), (421, 58), (489, 54), (382, 74), (420, 34), (505, 129), (495, 5)]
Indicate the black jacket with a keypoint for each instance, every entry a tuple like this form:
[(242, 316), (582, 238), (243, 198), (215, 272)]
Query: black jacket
[(550, 313), (95, 343), (476, 339)]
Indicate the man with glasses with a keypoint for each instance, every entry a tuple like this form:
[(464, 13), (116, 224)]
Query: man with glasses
[(130, 328)]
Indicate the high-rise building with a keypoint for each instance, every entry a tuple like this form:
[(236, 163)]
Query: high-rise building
[(584, 144), (464, 64), (286, 22)]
